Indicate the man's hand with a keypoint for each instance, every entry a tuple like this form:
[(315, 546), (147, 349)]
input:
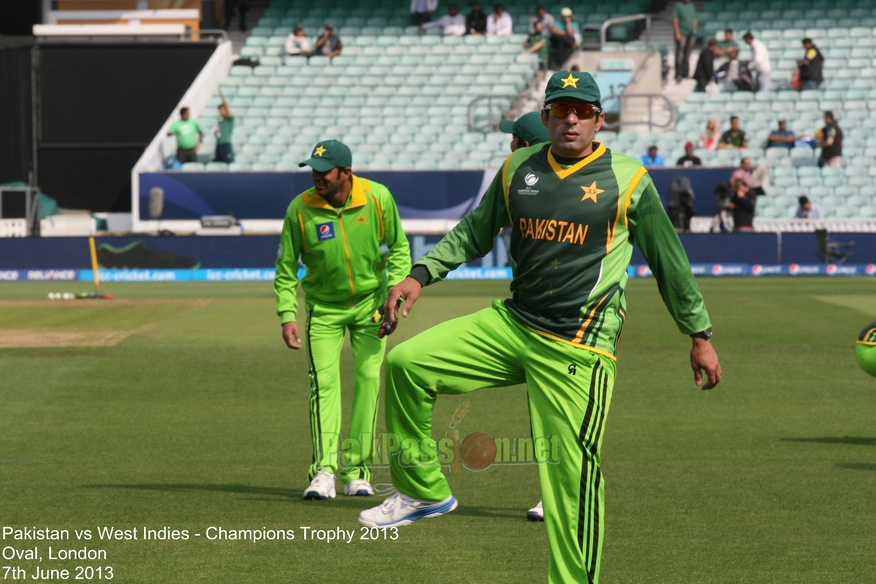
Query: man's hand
[(704, 357), (407, 290), (291, 336)]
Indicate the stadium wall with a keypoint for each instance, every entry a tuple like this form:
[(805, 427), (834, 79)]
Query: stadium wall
[(259, 252), (99, 106), (419, 195)]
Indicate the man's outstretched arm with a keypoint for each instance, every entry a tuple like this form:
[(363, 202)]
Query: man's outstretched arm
[(652, 230)]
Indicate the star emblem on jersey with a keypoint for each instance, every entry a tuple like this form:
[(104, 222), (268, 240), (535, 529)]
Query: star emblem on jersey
[(591, 192), (573, 81), (319, 151), (360, 220)]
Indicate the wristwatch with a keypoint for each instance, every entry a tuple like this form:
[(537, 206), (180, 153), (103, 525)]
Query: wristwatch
[(706, 334)]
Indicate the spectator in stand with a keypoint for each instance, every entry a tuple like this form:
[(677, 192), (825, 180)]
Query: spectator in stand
[(760, 62), (734, 137), (565, 38), (328, 44), (537, 43), (727, 44), (546, 20), (476, 21), (499, 22), (652, 158), (297, 43), (808, 209), (689, 159), (781, 138), (684, 24), (742, 173), (831, 142), (452, 23), (711, 136), (705, 69), (810, 66), (224, 151), (526, 131), (734, 75), (421, 11), (742, 204), (189, 137)]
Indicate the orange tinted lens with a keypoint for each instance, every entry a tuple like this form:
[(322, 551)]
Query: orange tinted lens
[(584, 111)]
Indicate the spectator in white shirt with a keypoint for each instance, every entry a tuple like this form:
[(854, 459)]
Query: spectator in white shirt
[(808, 209), (760, 62), (499, 22), (452, 23), (421, 11), (297, 43)]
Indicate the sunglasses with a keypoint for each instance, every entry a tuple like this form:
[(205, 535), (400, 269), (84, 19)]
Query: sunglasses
[(583, 111)]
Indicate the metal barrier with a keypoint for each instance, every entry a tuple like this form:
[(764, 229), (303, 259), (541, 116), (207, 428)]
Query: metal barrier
[(652, 125), (633, 17), (517, 110)]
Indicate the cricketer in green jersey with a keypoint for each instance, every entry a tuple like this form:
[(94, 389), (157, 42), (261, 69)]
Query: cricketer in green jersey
[(575, 208), (337, 228)]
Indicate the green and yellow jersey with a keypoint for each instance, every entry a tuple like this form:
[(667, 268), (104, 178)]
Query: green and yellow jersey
[(573, 227), (341, 248)]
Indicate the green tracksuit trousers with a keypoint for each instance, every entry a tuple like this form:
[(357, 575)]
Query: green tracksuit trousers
[(569, 392), (324, 336)]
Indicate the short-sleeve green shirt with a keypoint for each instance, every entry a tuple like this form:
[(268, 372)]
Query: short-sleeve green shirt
[(186, 133), (686, 13), (536, 38), (226, 127)]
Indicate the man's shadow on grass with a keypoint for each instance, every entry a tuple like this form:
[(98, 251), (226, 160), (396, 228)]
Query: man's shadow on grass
[(269, 494), (847, 440), (276, 495), (850, 440)]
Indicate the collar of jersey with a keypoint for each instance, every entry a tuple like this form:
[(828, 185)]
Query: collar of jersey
[(357, 198), (563, 173)]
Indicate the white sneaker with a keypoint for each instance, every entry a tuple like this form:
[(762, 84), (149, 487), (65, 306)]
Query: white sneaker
[(321, 487), (400, 510), (358, 488), (536, 513)]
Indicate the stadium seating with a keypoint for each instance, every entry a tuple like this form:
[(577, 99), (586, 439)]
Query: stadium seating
[(387, 78)]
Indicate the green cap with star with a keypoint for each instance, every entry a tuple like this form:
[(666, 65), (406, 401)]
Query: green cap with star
[(571, 86), (328, 155), (528, 128)]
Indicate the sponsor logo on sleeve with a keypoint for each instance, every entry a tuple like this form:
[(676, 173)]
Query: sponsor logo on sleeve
[(325, 231)]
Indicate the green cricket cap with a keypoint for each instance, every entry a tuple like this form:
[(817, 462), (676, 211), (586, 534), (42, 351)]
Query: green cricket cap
[(328, 155), (528, 128), (571, 85)]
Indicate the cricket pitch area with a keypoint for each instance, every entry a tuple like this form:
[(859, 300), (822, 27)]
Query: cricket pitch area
[(145, 426)]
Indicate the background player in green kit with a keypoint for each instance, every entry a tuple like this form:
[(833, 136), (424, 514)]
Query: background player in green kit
[(526, 131), (575, 208), (337, 228)]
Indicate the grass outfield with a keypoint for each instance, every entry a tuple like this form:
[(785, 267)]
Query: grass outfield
[(178, 406)]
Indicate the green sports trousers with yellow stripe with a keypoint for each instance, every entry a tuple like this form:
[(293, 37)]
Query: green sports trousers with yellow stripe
[(569, 391), (324, 332), (573, 223)]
